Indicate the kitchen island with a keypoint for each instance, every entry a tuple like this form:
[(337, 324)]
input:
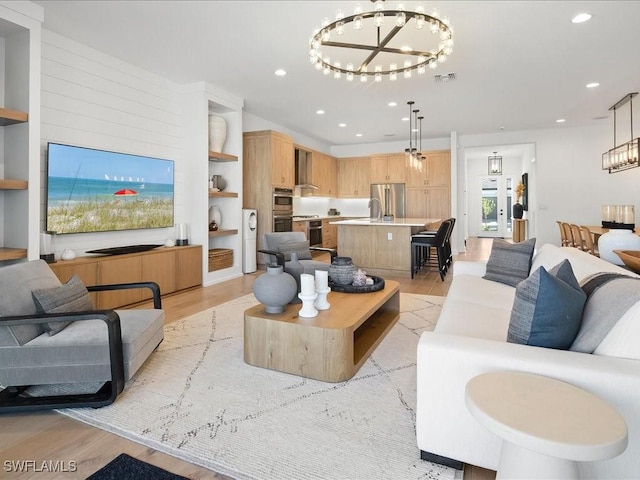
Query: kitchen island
[(381, 247)]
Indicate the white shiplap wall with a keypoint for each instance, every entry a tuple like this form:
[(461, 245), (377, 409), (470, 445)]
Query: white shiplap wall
[(91, 99)]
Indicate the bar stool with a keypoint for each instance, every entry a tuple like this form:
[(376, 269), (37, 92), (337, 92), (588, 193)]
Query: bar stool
[(421, 249)]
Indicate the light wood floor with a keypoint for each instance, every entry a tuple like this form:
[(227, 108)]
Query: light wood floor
[(52, 437)]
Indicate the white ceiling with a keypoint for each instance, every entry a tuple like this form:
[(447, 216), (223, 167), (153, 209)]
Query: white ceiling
[(520, 65)]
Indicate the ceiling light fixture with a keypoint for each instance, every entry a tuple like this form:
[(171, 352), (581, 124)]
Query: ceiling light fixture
[(414, 151), (280, 72), (624, 156), (495, 164), (581, 18), (341, 57), (593, 85)]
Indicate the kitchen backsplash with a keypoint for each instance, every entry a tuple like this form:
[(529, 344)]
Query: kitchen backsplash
[(348, 207)]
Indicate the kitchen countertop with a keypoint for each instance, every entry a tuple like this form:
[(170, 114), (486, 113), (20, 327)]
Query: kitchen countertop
[(396, 222), (321, 217)]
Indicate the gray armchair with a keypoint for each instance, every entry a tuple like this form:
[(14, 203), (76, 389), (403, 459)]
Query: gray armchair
[(278, 247), (84, 351)]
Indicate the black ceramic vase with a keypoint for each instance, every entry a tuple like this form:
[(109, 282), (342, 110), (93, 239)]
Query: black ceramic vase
[(518, 210)]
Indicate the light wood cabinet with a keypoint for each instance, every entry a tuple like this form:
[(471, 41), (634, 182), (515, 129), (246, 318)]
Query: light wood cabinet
[(268, 162), (388, 168), (300, 226), (428, 202), (282, 161), (173, 269), (329, 233), (324, 174), (433, 171), (354, 177)]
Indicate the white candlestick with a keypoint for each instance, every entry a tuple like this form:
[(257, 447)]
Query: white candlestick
[(307, 284), (322, 279)]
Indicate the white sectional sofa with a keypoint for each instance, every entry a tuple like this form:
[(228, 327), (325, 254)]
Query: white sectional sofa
[(470, 339)]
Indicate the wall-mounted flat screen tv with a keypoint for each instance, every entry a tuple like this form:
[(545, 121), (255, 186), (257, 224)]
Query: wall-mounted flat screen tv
[(91, 190)]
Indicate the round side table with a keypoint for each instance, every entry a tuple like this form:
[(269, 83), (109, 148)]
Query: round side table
[(546, 425)]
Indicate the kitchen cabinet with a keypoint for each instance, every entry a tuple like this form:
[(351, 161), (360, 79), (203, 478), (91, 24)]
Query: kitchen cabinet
[(428, 202), (433, 171), (329, 233), (354, 177), (300, 226), (388, 168), (324, 174), (268, 162)]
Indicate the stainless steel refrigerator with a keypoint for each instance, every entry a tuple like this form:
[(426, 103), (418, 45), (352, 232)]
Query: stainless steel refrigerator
[(391, 201)]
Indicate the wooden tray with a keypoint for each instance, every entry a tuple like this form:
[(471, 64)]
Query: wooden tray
[(378, 284), (631, 259)]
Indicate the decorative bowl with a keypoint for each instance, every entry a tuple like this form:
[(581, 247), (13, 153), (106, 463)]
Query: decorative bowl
[(631, 259)]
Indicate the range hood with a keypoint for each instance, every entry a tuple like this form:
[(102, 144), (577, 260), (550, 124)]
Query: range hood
[(303, 170)]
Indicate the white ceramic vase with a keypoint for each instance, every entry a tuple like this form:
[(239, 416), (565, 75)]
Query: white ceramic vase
[(217, 133), (215, 215), (617, 239)]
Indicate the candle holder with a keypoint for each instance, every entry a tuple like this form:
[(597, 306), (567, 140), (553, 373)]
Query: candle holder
[(321, 302), (308, 310)]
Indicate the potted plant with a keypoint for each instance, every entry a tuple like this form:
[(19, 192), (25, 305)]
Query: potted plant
[(518, 209)]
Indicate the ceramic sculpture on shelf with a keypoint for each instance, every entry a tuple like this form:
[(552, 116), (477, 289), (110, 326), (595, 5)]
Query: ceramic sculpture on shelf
[(215, 216), (274, 289), (217, 133)]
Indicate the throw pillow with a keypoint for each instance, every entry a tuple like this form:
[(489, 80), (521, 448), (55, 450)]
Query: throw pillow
[(70, 297), (547, 311), (301, 248), (509, 263)]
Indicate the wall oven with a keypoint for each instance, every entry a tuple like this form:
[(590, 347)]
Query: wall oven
[(314, 233), (282, 210)]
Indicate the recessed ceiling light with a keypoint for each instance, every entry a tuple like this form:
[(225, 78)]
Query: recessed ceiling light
[(342, 124), (358, 134), (581, 18), (593, 85), (501, 128), (405, 119), (280, 72), (392, 104), (320, 112), (560, 120), (389, 134)]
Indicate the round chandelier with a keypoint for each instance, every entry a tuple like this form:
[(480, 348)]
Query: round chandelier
[(381, 42)]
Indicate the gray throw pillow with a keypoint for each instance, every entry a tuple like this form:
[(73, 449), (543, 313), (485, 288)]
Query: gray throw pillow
[(301, 248), (73, 296), (547, 311), (509, 263)]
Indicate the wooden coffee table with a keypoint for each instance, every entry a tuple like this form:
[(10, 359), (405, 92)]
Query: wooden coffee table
[(330, 347)]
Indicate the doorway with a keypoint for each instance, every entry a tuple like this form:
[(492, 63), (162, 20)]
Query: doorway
[(496, 193)]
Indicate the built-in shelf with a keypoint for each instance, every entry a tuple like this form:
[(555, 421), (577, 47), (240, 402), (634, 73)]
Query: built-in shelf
[(223, 194), (222, 157), (12, 253), (6, 184), (222, 233), (11, 117)]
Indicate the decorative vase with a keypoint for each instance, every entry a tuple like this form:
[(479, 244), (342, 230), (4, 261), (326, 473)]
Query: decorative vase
[(217, 133), (294, 268), (617, 239), (274, 289), (341, 270), (218, 182), (359, 278), (215, 216), (68, 254), (518, 210)]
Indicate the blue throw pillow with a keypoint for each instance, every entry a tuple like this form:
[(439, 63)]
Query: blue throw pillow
[(547, 311)]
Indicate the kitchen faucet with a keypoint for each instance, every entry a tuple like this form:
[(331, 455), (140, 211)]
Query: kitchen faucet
[(379, 217)]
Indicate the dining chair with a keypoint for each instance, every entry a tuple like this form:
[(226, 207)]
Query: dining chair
[(563, 237), (590, 246), (576, 234), (566, 227)]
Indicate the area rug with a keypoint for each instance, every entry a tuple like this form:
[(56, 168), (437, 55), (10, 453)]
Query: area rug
[(124, 467), (196, 399)]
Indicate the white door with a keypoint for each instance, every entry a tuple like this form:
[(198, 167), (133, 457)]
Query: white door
[(496, 206)]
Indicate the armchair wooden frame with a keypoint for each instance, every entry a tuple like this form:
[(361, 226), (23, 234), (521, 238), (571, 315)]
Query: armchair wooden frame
[(14, 398)]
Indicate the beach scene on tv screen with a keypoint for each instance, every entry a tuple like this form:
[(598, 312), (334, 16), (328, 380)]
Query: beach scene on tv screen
[(98, 191)]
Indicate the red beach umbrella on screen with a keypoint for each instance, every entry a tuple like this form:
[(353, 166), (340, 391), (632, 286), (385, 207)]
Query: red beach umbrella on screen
[(126, 192)]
